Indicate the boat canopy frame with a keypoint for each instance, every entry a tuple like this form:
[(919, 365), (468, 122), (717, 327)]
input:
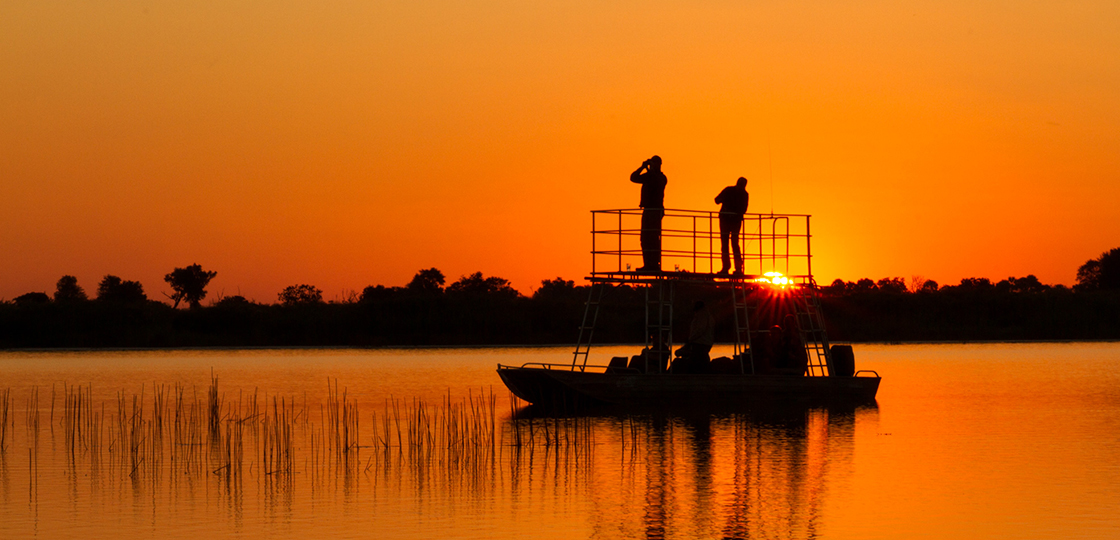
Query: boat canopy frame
[(775, 248), (690, 242)]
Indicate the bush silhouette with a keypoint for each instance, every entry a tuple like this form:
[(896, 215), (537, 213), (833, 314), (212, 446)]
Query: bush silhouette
[(114, 289), (32, 298)]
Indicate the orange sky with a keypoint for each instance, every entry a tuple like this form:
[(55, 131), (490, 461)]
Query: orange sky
[(354, 143)]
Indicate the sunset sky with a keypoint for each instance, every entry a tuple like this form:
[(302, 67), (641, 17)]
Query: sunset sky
[(344, 144)]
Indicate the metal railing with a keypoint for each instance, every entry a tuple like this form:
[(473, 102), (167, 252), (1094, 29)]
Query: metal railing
[(690, 243)]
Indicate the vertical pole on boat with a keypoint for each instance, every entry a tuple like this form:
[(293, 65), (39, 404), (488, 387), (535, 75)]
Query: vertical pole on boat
[(669, 327), (659, 326), (649, 341), (742, 325), (787, 252), (808, 250), (711, 242), (587, 328), (761, 243), (593, 242), (694, 244), (620, 235)]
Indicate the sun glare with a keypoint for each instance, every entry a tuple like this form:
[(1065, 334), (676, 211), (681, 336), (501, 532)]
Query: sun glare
[(775, 278)]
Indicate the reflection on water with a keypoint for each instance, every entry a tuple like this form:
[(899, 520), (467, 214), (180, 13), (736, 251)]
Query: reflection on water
[(963, 442), (745, 475)]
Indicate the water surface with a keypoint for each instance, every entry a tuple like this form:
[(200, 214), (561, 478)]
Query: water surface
[(965, 441)]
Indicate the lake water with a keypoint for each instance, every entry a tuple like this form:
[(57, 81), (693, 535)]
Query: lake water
[(965, 441)]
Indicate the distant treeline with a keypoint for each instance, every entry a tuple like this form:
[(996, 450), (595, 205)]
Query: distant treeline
[(475, 310), (975, 309), (480, 310)]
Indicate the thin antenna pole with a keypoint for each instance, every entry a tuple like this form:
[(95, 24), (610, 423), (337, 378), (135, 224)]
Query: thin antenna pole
[(770, 159), (769, 149)]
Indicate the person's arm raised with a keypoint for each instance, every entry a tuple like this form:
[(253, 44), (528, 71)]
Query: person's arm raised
[(636, 176)]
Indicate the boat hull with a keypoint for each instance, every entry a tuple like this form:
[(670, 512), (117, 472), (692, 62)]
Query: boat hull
[(564, 388)]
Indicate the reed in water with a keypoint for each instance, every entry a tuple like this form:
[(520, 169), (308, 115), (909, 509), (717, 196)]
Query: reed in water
[(182, 430), (5, 406)]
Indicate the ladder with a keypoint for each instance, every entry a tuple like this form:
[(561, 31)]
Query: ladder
[(811, 325), (659, 319), (742, 326), (587, 327)]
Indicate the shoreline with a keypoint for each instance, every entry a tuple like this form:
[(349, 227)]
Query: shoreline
[(509, 346)]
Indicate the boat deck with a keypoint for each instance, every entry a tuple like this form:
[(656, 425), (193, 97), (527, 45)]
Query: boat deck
[(564, 388)]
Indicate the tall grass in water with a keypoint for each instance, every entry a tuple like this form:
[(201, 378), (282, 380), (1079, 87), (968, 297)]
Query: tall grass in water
[(81, 424), (5, 406), (182, 432), (277, 445), (342, 419)]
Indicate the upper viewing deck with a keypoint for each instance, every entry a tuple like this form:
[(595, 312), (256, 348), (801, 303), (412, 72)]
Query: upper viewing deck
[(690, 247)]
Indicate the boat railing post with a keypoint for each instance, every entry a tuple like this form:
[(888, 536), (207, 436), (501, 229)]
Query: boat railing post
[(711, 243), (619, 234), (669, 328), (593, 235), (761, 249), (808, 249)]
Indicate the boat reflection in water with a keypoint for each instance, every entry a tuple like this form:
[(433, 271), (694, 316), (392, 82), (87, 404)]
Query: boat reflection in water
[(754, 474)]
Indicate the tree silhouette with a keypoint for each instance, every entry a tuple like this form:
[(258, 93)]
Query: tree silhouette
[(475, 284), (189, 284), (68, 290), (1023, 285), (892, 285), (863, 285), (300, 294), (427, 281), (975, 284), (837, 288), (1100, 273), (114, 289), (558, 289), (378, 293)]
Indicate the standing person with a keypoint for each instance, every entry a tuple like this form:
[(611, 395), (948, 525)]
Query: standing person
[(653, 182), (734, 200)]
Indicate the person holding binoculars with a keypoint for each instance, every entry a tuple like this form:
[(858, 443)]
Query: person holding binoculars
[(653, 182)]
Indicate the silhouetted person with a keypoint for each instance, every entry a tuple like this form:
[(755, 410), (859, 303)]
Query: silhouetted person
[(796, 358), (773, 357), (701, 337), (734, 200), (652, 359), (653, 182), (785, 348)]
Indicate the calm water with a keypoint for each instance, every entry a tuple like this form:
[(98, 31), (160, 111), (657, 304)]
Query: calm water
[(966, 441)]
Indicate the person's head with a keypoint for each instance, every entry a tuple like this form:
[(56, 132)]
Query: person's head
[(791, 324), (699, 305), (654, 163), (741, 183)]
